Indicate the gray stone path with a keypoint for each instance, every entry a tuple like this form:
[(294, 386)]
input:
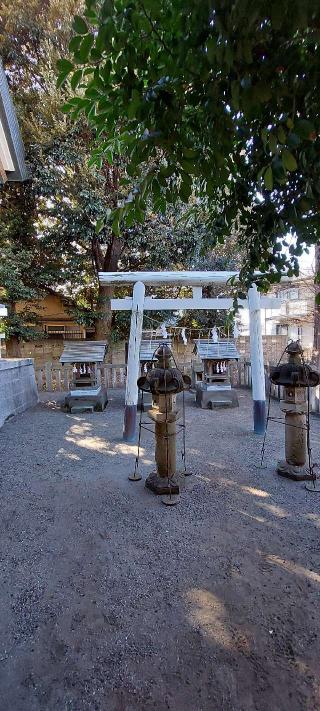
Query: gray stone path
[(110, 601)]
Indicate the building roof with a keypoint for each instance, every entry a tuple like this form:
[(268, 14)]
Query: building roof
[(223, 349), (12, 161), (148, 348), (83, 351)]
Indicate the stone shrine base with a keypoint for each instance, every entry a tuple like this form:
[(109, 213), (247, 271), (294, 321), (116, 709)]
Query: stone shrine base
[(83, 399), (221, 397)]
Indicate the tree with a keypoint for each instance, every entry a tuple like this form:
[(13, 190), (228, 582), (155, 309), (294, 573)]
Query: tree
[(51, 234), (218, 97)]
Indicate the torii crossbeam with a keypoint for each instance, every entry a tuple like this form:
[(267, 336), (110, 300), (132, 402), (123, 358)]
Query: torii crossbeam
[(139, 303)]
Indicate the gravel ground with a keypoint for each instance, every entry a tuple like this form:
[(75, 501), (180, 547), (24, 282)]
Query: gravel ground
[(110, 601)]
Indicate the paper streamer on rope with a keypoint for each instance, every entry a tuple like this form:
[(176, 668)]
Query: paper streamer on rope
[(183, 336), (163, 330), (214, 334), (236, 332)]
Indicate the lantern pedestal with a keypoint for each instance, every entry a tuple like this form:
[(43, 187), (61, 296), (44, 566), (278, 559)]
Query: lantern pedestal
[(290, 471), (295, 376), (164, 382), (294, 407), (164, 416)]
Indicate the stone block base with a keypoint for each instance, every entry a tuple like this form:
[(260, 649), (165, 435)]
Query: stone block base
[(216, 398), (290, 471), (83, 402), (160, 486)]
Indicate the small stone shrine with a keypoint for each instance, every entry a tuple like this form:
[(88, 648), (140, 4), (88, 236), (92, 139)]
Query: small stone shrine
[(295, 376), (87, 393), (211, 374), (164, 381)]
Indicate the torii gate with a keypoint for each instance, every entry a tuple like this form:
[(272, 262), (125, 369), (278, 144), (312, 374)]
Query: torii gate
[(138, 303)]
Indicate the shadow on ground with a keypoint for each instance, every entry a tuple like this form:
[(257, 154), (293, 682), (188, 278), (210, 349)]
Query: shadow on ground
[(111, 601)]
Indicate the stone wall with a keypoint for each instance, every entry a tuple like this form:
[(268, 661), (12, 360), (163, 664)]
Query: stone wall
[(273, 347), (49, 350), (18, 389)]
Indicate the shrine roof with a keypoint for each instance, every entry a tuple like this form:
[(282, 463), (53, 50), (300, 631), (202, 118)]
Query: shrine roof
[(223, 349), (83, 351), (148, 348)]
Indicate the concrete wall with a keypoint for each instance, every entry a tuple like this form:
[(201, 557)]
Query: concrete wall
[(18, 389)]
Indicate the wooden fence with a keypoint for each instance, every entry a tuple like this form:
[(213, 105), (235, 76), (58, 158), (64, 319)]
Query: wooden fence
[(55, 378)]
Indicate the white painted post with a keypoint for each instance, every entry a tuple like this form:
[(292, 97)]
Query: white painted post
[(257, 364), (131, 399), (3, 313)]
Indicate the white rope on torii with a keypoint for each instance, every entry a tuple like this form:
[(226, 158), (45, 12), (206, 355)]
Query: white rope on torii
[(139, 303)]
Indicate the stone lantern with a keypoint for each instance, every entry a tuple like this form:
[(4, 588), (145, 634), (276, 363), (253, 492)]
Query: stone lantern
[(295, 376), (164, 382)]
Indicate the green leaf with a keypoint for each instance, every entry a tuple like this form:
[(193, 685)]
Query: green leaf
[(235, 94), (74, 43), (262, 92), (64, 66), (134, 104), (99, 225), (289, 160), (211, 49), (268, 179), (79, 25), (115, 224), (190, 167), (273, 143), (281, 134), (304, 128), (190, 153), (293, 141), (85, 47), (106, 9), (76, 78)]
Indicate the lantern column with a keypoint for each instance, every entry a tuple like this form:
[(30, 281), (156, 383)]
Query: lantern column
[(131, 398), (257, 364)]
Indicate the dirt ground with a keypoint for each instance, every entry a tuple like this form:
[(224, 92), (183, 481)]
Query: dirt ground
[(110, 601)]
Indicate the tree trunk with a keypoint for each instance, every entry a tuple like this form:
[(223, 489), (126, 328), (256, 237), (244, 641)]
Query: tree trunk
[(104, 320), (316, 322), (13, 348), (106, 263)]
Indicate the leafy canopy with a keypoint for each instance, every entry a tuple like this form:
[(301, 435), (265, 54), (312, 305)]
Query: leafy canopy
[(218, 97)]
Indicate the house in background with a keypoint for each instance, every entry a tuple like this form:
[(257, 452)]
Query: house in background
[(55, 318), (57, 323), (295, 318)]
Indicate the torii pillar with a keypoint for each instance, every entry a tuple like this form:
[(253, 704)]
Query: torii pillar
[(257, 364), (133, 366)]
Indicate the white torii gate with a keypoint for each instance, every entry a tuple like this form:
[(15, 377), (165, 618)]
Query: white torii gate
[(139, 303)]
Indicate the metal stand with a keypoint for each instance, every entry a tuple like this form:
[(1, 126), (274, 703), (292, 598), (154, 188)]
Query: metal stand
[(170, 499), (313, 486)]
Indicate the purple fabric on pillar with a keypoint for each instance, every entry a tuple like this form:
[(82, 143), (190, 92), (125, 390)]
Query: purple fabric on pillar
[(129, 425), (259, 416)]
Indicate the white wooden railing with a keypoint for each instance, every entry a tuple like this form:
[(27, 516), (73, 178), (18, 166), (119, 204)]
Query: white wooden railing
[(59, 378), (55, 378)]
